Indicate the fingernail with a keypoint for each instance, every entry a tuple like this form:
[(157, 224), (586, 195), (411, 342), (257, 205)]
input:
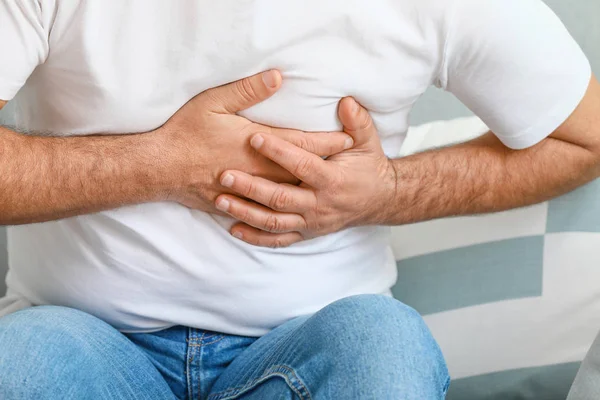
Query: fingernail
[(349, 143), (228, 180), (257, 141), (223, 205), (238, 235), (270, 79)]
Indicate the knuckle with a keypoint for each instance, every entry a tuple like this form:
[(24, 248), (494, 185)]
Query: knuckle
[(250, 190), (246, 90), (303, 167), (278, 243), (245, 215), (301, 225), (280, 201), (273, 224), (306, 144)]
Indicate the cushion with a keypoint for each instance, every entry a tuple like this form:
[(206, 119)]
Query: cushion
[(512, 298)]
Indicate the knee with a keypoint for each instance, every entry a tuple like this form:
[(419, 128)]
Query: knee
[(59, 325), (379, 333), (47, 349), (373, 317), (42, 333)]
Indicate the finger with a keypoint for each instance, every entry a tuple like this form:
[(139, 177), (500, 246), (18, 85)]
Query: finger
[(243, 94), (357, 122), (323, 144), (259, 216), (276, 196), (307, 167), (260, 238)]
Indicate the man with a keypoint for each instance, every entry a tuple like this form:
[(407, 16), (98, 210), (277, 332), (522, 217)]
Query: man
[(136, 231)]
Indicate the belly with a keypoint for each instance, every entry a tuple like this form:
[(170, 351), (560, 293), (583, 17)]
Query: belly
[(149, 267)]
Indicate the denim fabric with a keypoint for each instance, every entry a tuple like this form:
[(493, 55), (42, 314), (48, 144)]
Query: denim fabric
[(363, 347)]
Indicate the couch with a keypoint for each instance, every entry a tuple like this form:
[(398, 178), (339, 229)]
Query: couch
[(513, 298)]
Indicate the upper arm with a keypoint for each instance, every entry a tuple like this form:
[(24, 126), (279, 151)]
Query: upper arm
[(516, 66), (24, 29), (2, 104), (582, 128)]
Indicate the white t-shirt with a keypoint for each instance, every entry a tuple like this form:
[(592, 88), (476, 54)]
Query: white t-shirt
[(84, 67)]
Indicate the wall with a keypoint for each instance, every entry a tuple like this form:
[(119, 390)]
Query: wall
[(582, 17)]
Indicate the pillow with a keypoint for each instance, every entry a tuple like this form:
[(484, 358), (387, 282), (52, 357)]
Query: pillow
[(513, 298)]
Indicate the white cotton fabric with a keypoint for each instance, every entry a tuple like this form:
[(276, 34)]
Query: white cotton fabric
[(114, 67)]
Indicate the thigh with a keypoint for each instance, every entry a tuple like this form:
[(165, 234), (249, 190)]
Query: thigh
[(363, 347), (55, 352)]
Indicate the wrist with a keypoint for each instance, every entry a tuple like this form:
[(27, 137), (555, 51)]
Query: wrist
[(162, 167), (384, 210)]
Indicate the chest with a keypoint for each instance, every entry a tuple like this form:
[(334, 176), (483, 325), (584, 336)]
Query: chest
[(135, 63)]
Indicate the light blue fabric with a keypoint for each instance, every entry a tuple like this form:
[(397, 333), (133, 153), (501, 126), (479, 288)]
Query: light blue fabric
[(578, 211), (472, 275), (548, 382), (480, 276), (363, 347)]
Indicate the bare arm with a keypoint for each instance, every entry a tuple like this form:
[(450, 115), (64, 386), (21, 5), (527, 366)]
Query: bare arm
[(484, 176), (48, 178), (363, 187)]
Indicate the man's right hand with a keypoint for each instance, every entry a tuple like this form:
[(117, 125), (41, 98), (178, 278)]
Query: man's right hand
[(45, 178), (206, 137)]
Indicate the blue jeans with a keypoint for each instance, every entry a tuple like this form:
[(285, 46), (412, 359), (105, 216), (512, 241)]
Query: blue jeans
[(363, 347)]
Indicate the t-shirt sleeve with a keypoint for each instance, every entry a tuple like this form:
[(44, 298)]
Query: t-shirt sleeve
[(24, 31), (515, 65)]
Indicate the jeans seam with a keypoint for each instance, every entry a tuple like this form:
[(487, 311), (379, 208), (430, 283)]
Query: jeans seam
[(283, 371), (206, 344), (275, 355), (203, 337), (188, 361), (194, 355), (200, 361), (447, 385)]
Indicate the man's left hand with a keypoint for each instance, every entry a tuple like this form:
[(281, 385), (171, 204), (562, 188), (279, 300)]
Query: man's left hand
[(349, 189)]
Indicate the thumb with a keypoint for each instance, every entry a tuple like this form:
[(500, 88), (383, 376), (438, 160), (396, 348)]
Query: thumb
[(357, 122), (240, 95)]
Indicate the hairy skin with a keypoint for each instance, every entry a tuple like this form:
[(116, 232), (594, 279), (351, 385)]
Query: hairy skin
[(361, 186), (484, 176), (48, 178)]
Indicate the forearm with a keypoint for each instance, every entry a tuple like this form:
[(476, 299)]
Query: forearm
[(483, 176), (48, 178)]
